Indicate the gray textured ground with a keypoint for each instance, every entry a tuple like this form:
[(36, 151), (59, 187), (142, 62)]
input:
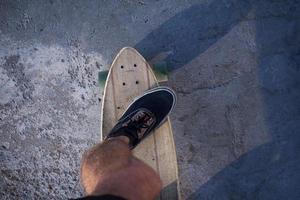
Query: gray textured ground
[(235, 66)]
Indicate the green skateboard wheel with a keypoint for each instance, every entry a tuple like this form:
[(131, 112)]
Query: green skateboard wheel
[(102, 76), (161, 71)]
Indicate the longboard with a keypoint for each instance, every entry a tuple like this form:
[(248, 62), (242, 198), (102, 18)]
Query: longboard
[(129, 76)]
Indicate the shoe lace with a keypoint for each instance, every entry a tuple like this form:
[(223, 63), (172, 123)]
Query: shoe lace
[(136, 125)]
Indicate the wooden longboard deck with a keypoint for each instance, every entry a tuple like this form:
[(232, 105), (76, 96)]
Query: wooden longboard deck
[(130, 76)]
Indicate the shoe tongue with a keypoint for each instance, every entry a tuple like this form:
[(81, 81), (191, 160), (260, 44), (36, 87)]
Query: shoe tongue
[(131, 131), (135, 129), (132, 134)]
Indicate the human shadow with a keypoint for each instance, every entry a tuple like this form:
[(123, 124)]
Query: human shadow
[(271, 170), (192, 31)]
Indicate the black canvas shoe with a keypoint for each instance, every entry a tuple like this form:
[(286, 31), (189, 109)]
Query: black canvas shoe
[(144, 114)]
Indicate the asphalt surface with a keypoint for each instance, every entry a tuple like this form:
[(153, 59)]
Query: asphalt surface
[(235, 66)]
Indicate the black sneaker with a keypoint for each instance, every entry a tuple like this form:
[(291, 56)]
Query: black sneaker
[(144, 114)]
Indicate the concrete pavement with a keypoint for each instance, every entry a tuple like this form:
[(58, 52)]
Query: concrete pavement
[(234, 65)]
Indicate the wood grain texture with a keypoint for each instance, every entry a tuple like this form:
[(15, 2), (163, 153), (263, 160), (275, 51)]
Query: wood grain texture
[(129, 77)]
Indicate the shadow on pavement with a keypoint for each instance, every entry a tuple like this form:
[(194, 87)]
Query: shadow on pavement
[(272, 170), (191, 32)]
